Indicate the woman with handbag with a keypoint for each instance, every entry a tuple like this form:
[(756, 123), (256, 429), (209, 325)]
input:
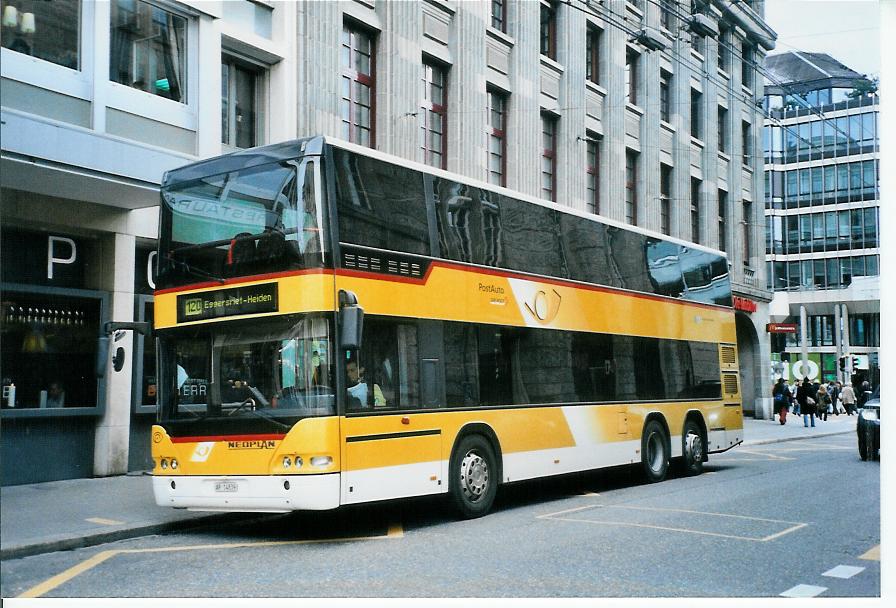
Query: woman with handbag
[(824, 403), (806, 401)]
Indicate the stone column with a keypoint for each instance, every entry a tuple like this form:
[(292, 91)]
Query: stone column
[(524, 116), (844, 316), (804, 342), (398, 72), (318, 69), (467, 100), (613, 161), (110, 456)]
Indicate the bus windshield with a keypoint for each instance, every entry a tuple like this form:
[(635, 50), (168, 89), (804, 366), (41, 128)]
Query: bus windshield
[(263, 219), (238, 378)]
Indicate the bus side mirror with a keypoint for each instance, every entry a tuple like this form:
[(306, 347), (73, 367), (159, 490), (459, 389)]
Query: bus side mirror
[(351, 321), (102, 355)]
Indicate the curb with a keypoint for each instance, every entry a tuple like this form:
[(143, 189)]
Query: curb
[(782, 439), (68, 543)]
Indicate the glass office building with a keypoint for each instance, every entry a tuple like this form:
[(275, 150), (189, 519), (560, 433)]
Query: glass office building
[(822, 215)]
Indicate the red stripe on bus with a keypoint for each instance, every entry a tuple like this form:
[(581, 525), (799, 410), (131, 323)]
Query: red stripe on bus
[(207, 438)]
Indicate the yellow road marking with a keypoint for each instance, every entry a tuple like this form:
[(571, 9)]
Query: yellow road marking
[(872, 554), (105, 522), (50, 584), (395, 531)]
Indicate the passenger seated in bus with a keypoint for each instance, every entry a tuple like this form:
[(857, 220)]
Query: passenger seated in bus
[(360, 396)]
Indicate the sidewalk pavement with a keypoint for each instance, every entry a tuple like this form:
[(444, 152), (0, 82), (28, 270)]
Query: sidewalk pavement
[(73, 513)]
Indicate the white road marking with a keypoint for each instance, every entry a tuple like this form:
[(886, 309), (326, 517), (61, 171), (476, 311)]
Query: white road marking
[(795, 525), (804, 591), (843, 571)]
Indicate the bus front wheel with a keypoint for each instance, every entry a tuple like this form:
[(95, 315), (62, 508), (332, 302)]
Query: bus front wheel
[(474, 480), (654, 451)]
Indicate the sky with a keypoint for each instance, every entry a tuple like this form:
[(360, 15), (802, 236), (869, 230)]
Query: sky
[(847, 30)]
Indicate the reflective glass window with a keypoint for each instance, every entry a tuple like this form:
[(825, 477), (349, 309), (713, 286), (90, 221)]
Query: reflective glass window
[(45, 30), (149, 49)]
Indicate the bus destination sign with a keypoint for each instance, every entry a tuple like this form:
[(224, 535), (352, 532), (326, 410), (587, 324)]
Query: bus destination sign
[(252, 299)]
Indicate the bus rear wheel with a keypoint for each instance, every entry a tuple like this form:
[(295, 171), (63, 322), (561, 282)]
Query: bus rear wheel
[(654, 451), (474, 481), (692, 448)]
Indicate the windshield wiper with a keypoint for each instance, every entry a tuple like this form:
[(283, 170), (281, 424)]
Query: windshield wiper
[(195, 271), (268, 418)]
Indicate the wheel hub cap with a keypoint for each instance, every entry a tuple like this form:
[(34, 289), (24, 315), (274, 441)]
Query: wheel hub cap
[(694, 447), (473, 476)]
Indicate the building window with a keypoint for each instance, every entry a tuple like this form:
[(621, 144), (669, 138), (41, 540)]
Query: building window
[(746, 65), (592, 54), (665, 101), (499, 15), (593, 171), (665, 199), (631, 187), (695, 210), (723, 129), (746, 138), (631, 77), (548, 30), (724, 53), (433, 112), (48, 347), (240, 84), (358, 86), (748, 232), (698, 44), (497, 116), (549, 157), (666, 16), (46, 30), (696, 114), (148, 50), (723, 219)]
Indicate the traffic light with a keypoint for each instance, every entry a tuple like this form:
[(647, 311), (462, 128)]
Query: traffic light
[(842, 364), (855, 363)]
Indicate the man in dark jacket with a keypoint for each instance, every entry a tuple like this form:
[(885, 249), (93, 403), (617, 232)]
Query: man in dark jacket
[(805, 396)]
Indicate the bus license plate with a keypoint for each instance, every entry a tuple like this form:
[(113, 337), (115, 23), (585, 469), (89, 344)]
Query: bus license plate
[(226, 486)]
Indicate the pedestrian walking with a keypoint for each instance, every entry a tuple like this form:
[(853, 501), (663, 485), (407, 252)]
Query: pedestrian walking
[(823, 401), (848, 397), (781, 396), (834, 392), (794, 403), (806, 401)]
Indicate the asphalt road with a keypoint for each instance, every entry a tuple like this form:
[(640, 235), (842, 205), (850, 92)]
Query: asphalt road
[(799, 518)]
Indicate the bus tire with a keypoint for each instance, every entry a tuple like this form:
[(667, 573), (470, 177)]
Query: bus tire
[(692, 448), (474, 476), (654, 451)]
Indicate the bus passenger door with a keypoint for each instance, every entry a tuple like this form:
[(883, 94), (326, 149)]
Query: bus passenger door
[(392, 447)]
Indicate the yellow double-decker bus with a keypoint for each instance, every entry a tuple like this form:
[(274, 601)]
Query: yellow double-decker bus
[(338, 326)]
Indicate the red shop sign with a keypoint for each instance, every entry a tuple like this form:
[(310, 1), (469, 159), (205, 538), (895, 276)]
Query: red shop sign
[(744, 304), (781, 328)]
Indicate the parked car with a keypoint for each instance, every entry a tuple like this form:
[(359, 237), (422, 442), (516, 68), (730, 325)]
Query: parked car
[(868, 427)]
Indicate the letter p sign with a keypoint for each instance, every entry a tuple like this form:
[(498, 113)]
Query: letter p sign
[(54, 250)]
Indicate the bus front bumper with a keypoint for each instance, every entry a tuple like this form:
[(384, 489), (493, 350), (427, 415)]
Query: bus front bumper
[(249, 493)]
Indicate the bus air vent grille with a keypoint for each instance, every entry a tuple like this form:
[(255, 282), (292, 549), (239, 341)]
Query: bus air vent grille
[(729, 355), (729, 384)]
